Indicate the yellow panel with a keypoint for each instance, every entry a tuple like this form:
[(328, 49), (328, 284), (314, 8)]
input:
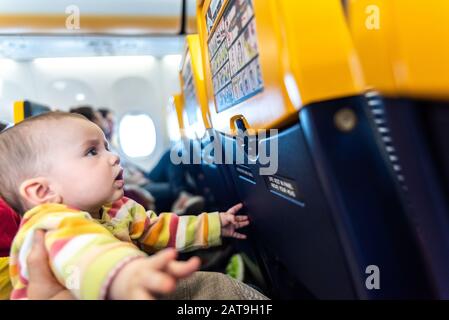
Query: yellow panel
[(372, 29), (423, 41), (408, 55), (179, 105), (306, 55), (193, 56), (19, 111), (319, 49)]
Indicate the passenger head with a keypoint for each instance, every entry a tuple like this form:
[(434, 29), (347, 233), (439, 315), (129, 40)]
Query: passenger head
[(58, 157), (108, 117), (90, 114), (3, 126)]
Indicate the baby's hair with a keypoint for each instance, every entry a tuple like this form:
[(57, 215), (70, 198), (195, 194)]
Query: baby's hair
[(22, 154)]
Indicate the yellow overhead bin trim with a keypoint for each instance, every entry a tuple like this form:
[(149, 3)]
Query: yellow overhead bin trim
[(89, 24), (191, 25)]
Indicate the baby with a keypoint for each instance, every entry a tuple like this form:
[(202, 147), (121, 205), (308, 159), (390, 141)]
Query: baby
[(57, 172)]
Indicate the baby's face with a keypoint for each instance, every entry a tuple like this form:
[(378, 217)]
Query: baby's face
[(83, 171)]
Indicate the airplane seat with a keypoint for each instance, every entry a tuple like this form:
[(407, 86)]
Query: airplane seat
[(206, 153), (178, 141), (198, 130), (214, 259), (330, 216), (25, 108), (406, 61)]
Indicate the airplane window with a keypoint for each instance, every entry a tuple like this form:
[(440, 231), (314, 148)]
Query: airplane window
[(137, 135)]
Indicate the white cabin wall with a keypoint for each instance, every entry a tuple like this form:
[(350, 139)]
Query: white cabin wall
[(123, 84)]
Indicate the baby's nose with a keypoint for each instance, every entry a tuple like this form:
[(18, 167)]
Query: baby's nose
[(114, 159)]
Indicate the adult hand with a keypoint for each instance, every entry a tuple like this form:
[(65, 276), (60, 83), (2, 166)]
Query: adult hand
[(151, 277), (42, 283)]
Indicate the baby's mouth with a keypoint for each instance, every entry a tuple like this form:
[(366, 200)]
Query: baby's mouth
[(119, 176)]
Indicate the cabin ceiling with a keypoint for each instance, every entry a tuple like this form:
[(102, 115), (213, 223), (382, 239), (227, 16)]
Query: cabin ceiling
[(32, 29), (31, 47), (124, 17)]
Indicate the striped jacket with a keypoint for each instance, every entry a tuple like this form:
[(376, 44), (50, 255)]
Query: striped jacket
[(86, 253)]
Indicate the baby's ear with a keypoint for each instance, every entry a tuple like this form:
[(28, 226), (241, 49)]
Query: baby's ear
[(37, 191)]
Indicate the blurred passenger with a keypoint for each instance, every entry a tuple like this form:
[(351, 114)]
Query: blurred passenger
[(3, 126), (91, 114), (168, 184), (109, 121)]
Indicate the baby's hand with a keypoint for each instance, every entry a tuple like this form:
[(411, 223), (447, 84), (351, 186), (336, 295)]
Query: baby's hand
[(230, 222), (148, 278)]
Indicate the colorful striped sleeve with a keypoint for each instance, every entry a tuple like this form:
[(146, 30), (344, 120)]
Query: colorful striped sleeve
[(129, 221), (82, 253), (185, 233)]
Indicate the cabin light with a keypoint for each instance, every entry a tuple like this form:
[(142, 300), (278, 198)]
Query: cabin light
[(59, 85), (7, 63), (80, 97), (92, 62), (173, 59), (137, 135)]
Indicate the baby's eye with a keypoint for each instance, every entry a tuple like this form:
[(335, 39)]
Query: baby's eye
[(92, 152), (106, 146)]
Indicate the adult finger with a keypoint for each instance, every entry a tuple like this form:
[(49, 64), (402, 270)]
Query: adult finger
[(159, 282), (37, 260), (182, 269), (140, 294), (162, 258)]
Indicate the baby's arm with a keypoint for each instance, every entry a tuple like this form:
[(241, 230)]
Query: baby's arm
[(230, 222), (185, 233), (83, 255)]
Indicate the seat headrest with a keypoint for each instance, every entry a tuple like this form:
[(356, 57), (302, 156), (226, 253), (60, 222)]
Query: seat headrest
[(9, 224)]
